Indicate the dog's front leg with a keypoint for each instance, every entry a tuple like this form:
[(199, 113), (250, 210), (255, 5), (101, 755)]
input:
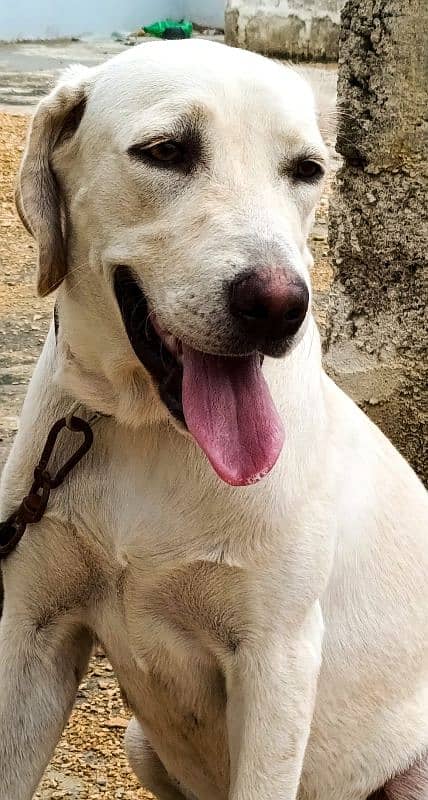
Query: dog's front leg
[(271, 687), (41, 664)]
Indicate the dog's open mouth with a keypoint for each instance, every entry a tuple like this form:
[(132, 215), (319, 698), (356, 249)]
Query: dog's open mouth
[(224, 401)]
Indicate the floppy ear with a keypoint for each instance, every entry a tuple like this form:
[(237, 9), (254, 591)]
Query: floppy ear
[(38, 193)]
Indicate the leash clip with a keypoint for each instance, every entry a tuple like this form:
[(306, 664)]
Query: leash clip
[(34, 505)]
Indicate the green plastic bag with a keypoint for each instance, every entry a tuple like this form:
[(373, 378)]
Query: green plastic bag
[(165, 28)]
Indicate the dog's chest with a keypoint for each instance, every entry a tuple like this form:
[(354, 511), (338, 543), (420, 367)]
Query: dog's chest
[(182, 626), (189, 611)]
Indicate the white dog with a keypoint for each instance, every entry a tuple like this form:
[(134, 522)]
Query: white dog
[(248, 547)]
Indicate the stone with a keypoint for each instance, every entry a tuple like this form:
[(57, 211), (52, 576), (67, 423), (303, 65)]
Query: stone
[(377, 342), (296, 29)]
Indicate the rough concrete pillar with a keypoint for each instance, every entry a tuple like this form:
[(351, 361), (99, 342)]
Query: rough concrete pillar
[(377, 335)]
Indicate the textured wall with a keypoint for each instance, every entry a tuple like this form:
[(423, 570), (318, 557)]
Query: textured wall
[(377, 343), (298, 29)]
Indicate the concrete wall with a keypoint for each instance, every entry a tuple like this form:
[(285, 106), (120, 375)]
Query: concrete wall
[(39, 19), (377, 343), (297, 29)]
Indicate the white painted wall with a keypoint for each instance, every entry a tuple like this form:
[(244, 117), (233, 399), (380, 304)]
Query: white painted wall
[(303, 9), (33, 19)]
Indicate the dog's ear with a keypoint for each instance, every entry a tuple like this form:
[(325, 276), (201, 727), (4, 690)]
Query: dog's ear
[(38, 193)]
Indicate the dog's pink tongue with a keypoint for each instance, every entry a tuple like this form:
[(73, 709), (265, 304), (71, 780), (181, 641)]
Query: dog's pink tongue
[(229, 411)]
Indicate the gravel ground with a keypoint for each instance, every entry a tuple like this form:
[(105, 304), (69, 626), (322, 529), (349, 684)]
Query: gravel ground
[(89, 760)]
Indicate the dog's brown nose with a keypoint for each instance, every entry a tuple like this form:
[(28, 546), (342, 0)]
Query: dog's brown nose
[(270, 303)]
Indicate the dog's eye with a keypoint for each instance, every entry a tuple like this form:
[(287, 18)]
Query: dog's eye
[(307, 170), (166, 153), (169, 152)]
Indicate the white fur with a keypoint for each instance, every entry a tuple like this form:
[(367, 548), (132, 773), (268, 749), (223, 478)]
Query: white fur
[(216, 605)]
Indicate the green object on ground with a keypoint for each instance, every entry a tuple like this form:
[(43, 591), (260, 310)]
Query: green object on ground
[(165, 25)]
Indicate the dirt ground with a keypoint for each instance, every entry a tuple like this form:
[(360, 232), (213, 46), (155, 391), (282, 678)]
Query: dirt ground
[(89, 761)]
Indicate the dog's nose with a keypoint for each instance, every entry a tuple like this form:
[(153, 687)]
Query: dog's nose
[(271, 303)]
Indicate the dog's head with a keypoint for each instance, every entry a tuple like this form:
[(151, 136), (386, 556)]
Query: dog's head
[(174, 189)]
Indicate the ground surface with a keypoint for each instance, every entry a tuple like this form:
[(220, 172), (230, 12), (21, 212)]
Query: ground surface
[(89, 761)]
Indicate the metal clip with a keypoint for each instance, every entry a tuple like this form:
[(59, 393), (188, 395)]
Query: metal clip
[(35, 503)]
